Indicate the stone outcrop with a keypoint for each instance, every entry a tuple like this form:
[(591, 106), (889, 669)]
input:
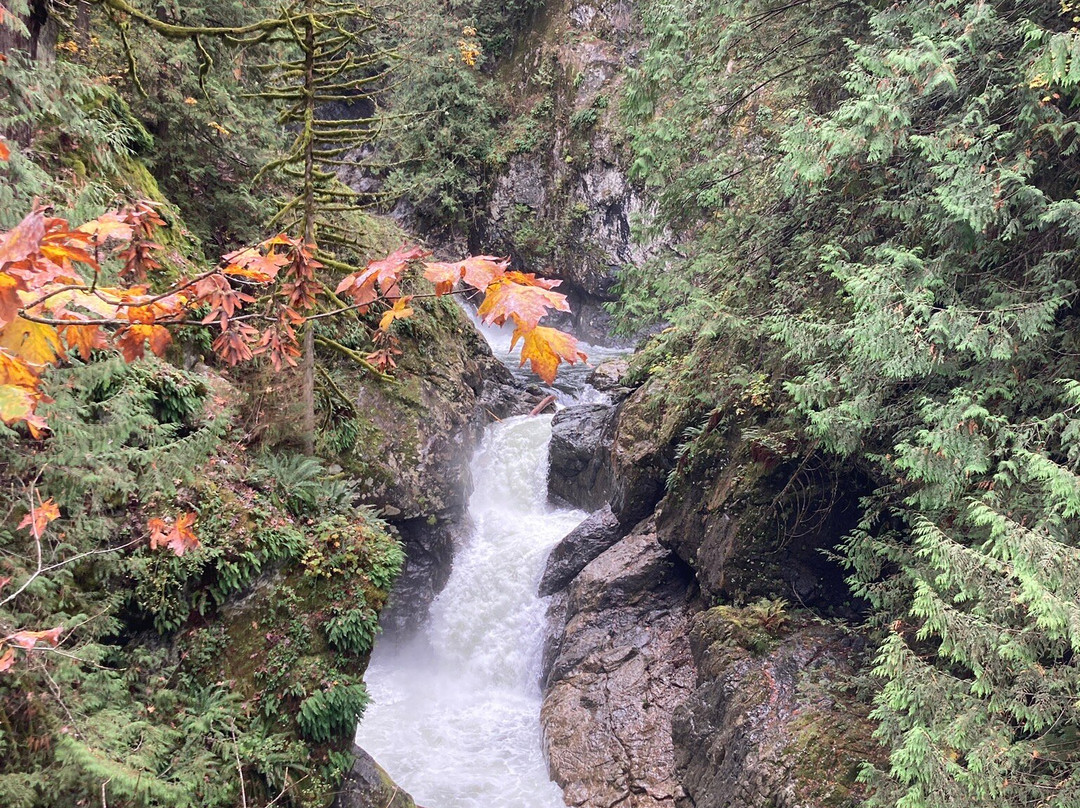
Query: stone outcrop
[(639, 461), (755, 518), (776, 723), (597, 533), (619, 665), (563, 202), (367, 785), (580, 469)]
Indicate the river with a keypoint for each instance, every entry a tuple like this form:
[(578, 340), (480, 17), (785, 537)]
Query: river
[(455, 709)]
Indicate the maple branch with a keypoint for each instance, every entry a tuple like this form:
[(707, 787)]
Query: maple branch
[(73, 287), (41, 570), (335, 388), (353, 355)]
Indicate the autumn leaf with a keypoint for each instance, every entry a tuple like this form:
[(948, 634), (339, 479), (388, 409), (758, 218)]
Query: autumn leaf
[(177, 537), (544, 348), (14, 371), (37, 344), (481, 270), (38, 518), (476, 271), (385, 273), (10, 302), (107, 226), (444, 275), (5, 152), (7, 659), (400, 311), (84, 338), (23, 240), (132, 339), (524, 303), (16, 403), (253, 264), (29, 639)]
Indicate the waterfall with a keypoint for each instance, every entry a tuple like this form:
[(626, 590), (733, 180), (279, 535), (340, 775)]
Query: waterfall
[(455, 712)]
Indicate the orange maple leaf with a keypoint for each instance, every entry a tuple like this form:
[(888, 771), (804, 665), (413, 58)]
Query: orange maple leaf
[(251, 263), (10, 303), (544, 348), (38, 518), (508, 297), (7, 658), (23, 240), (29, 639), (107, 226), (178, 537), (5, 152), (84, 338), (444, 274), (400, 311), (386, 273), (132, 339)]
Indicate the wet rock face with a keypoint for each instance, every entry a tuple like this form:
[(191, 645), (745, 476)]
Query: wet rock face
[(367, 785), (752, 525), (570, 556), (563, 202), (778, 726), (580, 468), (617, 669), (639, 462), (429, 558)]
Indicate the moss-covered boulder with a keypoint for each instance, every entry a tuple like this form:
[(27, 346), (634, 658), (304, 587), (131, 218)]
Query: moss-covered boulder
[(776, 718)]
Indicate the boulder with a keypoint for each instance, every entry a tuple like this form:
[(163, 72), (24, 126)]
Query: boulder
[(775, 718), (367, 785), (639, 460), (756, 517), (620, 665), (596, 534), (580, 470), (610, 377), (429, 558)]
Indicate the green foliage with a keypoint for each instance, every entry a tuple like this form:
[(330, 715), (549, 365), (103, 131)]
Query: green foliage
[(440, 115), (883, 215), (69, 136), (332, 711), (302, 485), (755, 627)]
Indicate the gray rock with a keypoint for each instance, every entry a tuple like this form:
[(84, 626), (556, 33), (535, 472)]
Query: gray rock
[(580, 469), (609, 377), (367, 785), (639, 461), (596, 534), (779, 725), (754, 524), (429, 558), (621, 663)]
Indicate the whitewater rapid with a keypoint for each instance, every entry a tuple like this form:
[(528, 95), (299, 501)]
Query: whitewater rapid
[(455, 709)]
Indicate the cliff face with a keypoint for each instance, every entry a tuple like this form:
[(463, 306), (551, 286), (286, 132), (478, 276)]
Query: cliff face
[(562, 202), (652, 698)]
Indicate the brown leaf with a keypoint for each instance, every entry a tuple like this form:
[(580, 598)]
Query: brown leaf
[(178, 537), (38, 518)]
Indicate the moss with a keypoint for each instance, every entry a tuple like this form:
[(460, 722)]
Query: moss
[(277, 650)]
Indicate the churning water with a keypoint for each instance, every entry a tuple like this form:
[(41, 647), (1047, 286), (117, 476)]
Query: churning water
[(455, 712)]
